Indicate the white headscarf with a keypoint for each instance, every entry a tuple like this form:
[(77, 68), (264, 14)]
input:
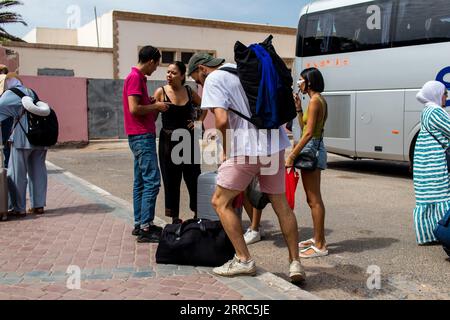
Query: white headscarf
[(431, 93)]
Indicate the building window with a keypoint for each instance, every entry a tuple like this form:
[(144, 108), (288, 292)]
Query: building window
[(186, 56), (55, 72), (167, 57)]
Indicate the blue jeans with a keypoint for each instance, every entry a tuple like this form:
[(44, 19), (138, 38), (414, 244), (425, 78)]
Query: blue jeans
[(146, 178)]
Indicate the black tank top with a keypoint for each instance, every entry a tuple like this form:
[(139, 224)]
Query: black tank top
[(178, 117)]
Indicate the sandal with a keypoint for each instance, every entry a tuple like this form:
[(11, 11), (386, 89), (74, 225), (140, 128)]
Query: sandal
[(36, 210), (317, 252), (306, 244)]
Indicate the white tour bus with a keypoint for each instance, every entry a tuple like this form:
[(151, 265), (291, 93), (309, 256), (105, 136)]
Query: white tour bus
[(374, 56)]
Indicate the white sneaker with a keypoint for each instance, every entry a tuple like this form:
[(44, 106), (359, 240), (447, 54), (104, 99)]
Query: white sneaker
[(252, 236), (235, 267), (296, 272)]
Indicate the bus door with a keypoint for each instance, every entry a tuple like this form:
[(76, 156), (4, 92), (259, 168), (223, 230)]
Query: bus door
[(340, 126), (380, 124)]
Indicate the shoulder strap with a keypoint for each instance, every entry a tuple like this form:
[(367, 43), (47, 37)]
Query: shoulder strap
[(166, 97), (230, 70), (189, 91), (20, 94), (18, 123), (235, 72), (443, 146), (17, 92)]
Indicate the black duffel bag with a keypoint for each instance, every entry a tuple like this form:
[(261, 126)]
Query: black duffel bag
[(195, 242)]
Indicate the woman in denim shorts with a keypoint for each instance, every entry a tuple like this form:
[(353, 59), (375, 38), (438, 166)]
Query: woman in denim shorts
[(312, 124)]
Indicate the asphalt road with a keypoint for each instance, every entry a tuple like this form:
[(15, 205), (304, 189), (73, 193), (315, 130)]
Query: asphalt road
[(369, 225)]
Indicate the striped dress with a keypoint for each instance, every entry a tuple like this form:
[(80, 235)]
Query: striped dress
[(431, 178)]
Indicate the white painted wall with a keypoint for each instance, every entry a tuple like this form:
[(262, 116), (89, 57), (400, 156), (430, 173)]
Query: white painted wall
[(135, 34), (86, 64), (30, 37), (87, 34)]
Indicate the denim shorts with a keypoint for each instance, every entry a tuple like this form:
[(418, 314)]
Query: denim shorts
[(314, 144)]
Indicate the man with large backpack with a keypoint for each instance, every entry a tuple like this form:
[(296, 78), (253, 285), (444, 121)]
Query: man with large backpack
[(27, 161), (253, 152)]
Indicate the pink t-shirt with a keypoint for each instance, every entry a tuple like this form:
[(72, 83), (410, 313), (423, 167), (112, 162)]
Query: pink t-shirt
[(136, 85)]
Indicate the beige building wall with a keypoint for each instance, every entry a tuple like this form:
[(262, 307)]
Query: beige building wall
[(87, 34), (122, 34), (67, 37), (85, 62), (133, 34)]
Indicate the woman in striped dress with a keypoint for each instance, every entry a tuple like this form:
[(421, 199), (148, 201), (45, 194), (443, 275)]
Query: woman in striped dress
[(431, 177)]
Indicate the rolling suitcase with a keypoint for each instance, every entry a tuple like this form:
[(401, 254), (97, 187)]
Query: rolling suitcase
[(3, 185), (206, 186)]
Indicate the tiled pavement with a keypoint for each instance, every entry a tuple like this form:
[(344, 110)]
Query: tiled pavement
[(86, 227)]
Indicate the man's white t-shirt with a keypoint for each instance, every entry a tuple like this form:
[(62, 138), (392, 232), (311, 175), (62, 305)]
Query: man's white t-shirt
[(223, 89)]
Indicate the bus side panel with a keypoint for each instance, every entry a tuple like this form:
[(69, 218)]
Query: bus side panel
[(340, 125), (413, 110), (379, 124), (412, 128), (387, 69)]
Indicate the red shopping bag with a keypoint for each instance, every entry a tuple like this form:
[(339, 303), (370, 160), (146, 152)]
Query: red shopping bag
[(238, 202), (291, 179)]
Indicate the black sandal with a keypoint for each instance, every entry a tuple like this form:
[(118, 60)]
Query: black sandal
[(36, 210)]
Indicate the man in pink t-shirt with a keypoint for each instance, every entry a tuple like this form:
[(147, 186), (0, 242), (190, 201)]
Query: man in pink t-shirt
[(140, 112)]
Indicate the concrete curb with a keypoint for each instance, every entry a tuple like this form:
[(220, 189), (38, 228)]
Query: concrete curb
[(284, 288)]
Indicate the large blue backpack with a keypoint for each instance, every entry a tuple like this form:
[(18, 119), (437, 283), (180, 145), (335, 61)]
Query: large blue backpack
[(267, 83)]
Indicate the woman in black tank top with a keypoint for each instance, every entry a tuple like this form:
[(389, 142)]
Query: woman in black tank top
[(182, 114)]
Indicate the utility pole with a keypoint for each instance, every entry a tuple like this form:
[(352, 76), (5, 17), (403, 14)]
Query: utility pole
[(96, 26)]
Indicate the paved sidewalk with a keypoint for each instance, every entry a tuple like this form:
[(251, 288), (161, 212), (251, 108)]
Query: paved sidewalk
[(87, 227)]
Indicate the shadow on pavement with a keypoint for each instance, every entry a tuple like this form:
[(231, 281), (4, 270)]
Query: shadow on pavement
[(350, 279), (49, 172), (58, 212), (84, 209), (375, 167), (361, 245)]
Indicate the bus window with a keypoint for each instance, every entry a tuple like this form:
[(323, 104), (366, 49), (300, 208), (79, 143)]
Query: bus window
[(353, 28), (300, 36), (418, 22)]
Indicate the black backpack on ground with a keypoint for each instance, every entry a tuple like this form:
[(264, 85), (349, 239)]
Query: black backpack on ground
[(249, 73), (42, 131)]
